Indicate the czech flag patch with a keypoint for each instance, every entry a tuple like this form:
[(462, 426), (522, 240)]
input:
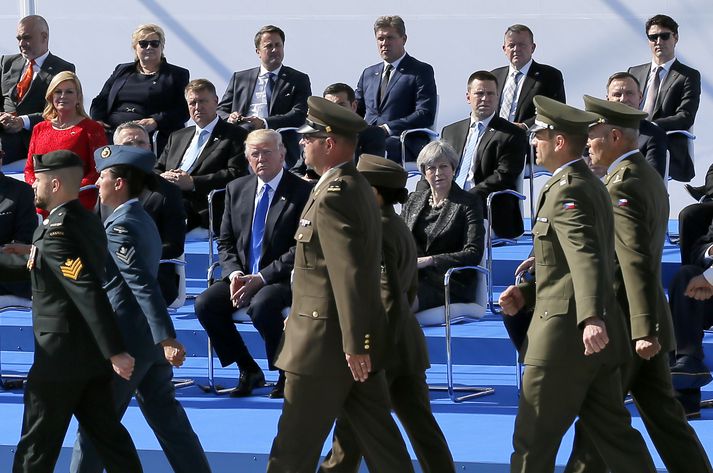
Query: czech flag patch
[(623, 203), (569, 205)]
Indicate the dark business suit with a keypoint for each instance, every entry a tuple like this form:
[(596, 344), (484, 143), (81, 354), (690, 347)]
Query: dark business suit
[(640, 202), (76, 332), (165, 206), (456, 241), (336, 309), (166, 104), (214, 307), (18, 220), (15, 145), (221, 161), (135, 247), (653, 144), (500, 159), (574, 268), (410, 102), (408, 361), (288, 107), (541, 79), (675, 109)]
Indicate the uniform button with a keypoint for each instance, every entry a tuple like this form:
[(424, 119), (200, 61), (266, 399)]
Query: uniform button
[(315, 314), (366, 347), (299, 237), (545, 313), (366, 336)]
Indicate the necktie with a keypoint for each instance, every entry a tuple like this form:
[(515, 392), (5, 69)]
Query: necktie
[(652, 91), (258, 229), (191, 156), (25, 81), (268, 88), (508, 106), (385, 82), (466, 163)]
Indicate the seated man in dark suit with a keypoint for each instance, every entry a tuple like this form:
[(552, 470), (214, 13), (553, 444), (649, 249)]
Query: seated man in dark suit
[(203, 157), (269, 96), (524, 78), (18, 220), (370, 141), (165, 206), (24, 79), (262, 213), (492, 153), (398, 93), (671, 94), (691, 299)]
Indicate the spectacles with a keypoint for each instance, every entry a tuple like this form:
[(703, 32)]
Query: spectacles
[(664, 36), (145, 43)]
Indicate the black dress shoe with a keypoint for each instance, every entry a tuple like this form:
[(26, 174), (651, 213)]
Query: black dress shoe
[(248, 381), (690, 399), (697, 192), (278, 392), (689, 373)]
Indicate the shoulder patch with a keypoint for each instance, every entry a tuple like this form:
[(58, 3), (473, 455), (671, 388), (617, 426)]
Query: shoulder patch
[(335, 186), (125, 254), (71, 268), (119, 230)]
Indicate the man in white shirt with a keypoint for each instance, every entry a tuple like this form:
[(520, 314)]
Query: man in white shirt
[(269, 96), (24, 79)]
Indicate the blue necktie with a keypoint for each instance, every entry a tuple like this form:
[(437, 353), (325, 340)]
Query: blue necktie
[(268, 88), (193, 152), (469, 154), (258, 230)]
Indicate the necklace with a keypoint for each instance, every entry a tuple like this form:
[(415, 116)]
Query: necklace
[(63, 126), (434, 205)]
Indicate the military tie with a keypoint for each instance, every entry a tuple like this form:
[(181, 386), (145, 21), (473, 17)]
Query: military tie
[(258, 229), (191, 156), (385, 82), (652, 91), (24, 85), (466, 162), (508, 106), (268, 88)]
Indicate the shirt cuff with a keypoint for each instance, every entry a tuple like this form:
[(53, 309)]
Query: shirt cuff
[(25, 122), (386, 127), (264, 123), (262, 277), (235, 274), (708, 274)]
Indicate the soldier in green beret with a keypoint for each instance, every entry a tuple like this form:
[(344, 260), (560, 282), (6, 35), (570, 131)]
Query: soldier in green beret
[(640, 202), (335, 338), (577, 339)]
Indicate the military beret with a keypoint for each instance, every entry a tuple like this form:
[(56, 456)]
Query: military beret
[(114, 155), (381, 172), (614, 113), (325, 117), (56, 160), (554, 115)]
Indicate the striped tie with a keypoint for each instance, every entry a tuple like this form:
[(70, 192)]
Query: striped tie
[(507, 109)]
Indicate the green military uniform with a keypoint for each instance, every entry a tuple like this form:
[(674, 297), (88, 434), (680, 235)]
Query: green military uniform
[(75, 333), (336, 309), (641, 208), (574, 258), (408, 355)]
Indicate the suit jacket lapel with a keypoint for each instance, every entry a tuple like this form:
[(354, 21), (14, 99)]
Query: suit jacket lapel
[(448, 212), (280, 83), (244, 218), (250, 88), (182, 144), (671, 77), (277, 206), (460, 136), (213, 140), (528, 85), (484, 140), (419, 203)]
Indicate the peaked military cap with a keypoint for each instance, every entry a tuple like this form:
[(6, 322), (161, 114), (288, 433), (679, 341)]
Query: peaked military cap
[(324, 117), (554, 115), (382, 172), (56, 160), (113, 155), (614, 113)]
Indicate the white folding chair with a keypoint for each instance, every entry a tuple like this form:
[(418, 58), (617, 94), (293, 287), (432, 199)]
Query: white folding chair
[(410, 166), (532, 172)]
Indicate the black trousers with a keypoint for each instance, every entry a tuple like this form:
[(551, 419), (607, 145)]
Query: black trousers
[(690, 317), (49, 406), (214, 310)]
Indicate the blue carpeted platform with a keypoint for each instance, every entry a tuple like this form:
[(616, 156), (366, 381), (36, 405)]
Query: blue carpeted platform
[(237, 433)]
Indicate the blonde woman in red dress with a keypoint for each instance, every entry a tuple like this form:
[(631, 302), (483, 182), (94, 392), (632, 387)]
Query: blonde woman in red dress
[(67, 126)]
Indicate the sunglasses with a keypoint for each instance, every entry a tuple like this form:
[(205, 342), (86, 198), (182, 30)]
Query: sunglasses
[(145, 43), (663, 36)]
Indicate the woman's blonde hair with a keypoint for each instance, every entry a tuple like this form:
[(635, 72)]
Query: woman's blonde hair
[(50, 112), (145, 30)]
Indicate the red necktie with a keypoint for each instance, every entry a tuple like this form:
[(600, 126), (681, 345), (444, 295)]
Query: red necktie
[(24, 85)]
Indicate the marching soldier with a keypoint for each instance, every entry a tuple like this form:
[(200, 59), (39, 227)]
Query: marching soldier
[(576, 340)]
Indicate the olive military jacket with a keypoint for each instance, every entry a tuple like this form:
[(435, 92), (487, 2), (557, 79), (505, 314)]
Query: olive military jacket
[(641, 209), (574, 271), (336, 304)]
